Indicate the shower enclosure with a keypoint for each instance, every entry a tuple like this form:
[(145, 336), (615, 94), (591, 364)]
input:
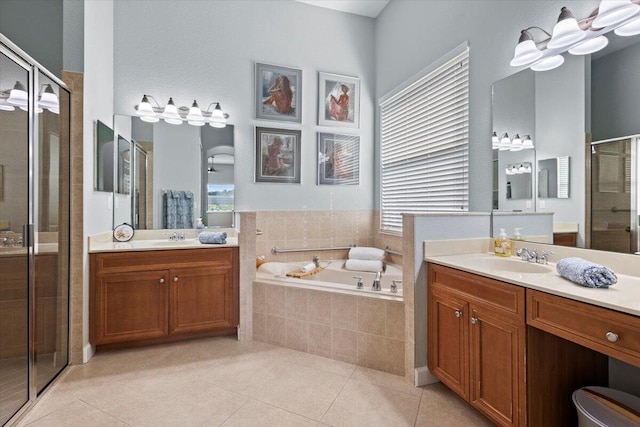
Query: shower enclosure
[(614, 195), (34, 229)]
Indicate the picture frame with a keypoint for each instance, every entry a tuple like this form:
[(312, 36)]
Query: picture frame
[(278, 93), (338, 159), (338, 100), (277, 155)]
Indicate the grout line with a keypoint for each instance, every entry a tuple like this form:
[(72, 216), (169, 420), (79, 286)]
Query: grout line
[(334, 401), (415, 422), (104, 412), (234, 412)]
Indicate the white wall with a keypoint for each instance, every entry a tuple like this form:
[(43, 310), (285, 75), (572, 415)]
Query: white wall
[(560, 131), (412, 34), (207, 50), (98, 105)]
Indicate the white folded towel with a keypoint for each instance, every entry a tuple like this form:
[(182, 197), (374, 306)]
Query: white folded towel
[(364, 265), (308, 267), (364, 252)]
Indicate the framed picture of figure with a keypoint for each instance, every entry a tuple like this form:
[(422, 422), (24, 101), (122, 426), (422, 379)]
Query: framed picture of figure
[(338, 159), (277, 155), (339, 100), (278, 93)]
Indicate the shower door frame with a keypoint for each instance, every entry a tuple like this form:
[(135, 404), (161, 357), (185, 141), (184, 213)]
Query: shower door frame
[(635, 187), (33, 68)]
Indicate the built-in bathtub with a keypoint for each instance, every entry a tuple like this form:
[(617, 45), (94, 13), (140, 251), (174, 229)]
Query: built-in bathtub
[(334, 277), (325, 314)]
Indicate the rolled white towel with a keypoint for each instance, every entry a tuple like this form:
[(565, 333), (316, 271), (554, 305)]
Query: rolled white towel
[(308, 267), (364, 265), (364, 252)]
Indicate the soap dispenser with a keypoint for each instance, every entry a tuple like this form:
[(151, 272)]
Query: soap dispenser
[(502, 244), (199, 226), (517, 233)]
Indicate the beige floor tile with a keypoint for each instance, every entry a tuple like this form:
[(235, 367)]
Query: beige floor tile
[(385, 379), (441, 407), (322, 363), (74, 414), (305, 391), (365, 404), (258, 414)]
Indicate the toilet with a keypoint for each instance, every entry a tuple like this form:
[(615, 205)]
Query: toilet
[(606, 407)]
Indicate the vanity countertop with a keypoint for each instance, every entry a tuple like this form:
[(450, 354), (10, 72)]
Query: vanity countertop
[(157, 245), (624, 296)]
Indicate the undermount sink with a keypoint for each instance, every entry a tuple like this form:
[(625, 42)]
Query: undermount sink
[(512, 265), (172, 242)]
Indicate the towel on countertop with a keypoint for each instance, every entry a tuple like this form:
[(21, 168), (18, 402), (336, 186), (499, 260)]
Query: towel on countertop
[(373, 254), (364, 265), (212, 237), (586, 273)]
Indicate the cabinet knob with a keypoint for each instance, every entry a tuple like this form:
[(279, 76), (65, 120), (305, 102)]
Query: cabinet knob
[(175, 279), (474, 320), (162, 280), (612, 336), (458, 313)]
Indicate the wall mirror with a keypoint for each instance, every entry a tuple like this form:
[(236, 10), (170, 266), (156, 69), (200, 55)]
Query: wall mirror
[(588, 102), (103, 157), (519, 183), (553, 178), (174, 167)]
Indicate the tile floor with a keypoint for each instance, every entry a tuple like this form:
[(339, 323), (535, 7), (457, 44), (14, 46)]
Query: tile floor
[(225, 382)]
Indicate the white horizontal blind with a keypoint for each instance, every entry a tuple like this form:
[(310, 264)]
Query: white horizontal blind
[(425, 145)]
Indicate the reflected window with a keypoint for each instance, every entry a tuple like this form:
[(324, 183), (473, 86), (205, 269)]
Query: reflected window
[(220, 198)]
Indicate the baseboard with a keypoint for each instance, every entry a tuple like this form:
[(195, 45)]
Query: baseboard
[(424, 377), (87, 352)]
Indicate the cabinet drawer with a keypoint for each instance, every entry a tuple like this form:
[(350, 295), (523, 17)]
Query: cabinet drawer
[(146, 260), (587, 325), (509, 298)]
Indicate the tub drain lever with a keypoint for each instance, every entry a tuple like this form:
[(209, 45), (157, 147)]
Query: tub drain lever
[(394, 286), (359, 285)]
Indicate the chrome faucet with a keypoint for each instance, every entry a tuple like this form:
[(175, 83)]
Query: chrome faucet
[(394, 286), (376, 282), (533, 255), (316, 261), (359, 285)]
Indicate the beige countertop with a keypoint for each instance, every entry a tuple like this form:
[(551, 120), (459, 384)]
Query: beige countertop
[(624, 296), (157, 240)]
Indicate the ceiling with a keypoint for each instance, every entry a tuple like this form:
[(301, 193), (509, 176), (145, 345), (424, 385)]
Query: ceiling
[(370, 8)]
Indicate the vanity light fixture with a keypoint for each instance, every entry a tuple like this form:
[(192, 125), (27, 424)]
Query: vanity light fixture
[(18, 97), (578, 37), (507, 144), (495, 142), (175, 115)]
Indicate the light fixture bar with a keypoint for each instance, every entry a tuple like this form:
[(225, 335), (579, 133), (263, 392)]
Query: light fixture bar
[(175, 115)]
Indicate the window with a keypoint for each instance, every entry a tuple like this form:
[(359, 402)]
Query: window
[(424, 138), (220, 198)]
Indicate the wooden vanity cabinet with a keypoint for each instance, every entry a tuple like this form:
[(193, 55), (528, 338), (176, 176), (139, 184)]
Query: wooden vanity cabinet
[(477, 341), (155, 296)]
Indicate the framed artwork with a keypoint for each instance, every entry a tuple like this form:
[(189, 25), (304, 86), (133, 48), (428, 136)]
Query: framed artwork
[(338, 159), (278, 93), (277, 155), (339, 100)]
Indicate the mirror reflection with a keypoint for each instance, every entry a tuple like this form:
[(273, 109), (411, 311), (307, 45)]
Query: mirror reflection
[(585, 112), (103, 152), (162, 185)]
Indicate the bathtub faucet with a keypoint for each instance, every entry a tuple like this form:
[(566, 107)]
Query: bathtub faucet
[(376, 282), (316, 261)]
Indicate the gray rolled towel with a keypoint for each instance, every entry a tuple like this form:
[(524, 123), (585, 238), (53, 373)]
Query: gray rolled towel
[(586, 273), (212, 237)]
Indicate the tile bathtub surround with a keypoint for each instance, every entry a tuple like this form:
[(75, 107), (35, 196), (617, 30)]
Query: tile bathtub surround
[(225, 382), (360, 330)]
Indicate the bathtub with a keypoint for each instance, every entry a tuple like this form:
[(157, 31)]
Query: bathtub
[(334, 278)]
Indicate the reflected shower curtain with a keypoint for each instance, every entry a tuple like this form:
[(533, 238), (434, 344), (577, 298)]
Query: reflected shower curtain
[(177, 209)]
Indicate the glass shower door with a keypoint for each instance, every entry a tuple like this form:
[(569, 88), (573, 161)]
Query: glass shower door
[(14, 256), (51, 173), (613, 196)]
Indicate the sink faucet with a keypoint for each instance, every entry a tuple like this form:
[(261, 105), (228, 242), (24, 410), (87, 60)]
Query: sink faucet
[(533, 255), (376, 282)]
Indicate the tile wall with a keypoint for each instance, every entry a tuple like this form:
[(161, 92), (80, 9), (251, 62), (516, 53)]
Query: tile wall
[(361, 330)]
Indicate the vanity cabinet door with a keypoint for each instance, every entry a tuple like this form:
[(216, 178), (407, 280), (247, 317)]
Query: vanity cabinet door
[(497, 353), (448, 340), (129, 306), (203, 299)]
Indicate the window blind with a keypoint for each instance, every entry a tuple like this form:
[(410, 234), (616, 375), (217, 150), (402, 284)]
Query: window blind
[(424, 134)]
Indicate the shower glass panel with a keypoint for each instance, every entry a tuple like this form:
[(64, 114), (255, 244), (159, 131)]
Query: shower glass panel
[(14, 257), (52, 237), (611, 196)]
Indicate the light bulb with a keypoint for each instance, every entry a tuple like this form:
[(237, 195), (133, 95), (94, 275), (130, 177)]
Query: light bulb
[(170, 114), (195, 114), (145, 108), (630, 29), (590, 46), (495, 142), (217, 119), (548, 63), (526, 51), (4, 106), (527, 143), (612, 12), (150, 119), (566, 32), (505, 142), (516, 144), (18, 95), (48, 98)]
